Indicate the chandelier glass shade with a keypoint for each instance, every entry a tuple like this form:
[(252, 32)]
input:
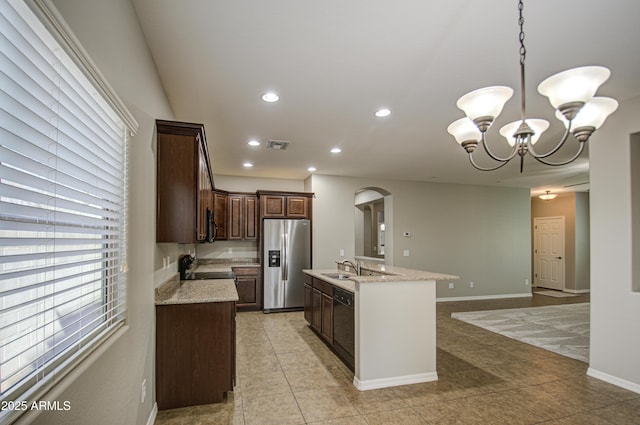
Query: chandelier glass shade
[(571, 93), (547, 196), (537, 125)]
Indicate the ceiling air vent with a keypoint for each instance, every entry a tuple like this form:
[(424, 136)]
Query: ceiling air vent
[(278, 145)]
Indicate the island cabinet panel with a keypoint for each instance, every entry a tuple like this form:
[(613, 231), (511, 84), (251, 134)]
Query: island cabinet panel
[(220, 206), (249, 287), (308, 303), (195, 353), (285, 204), (316, 310), (308, 298), (243, 217), (184, 182), (327, 318), (318, 306)]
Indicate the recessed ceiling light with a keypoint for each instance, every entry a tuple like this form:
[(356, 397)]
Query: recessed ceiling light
[(254, 143), (336, 150), (247, 165), (384, 112), (312, 169), (270, 97)]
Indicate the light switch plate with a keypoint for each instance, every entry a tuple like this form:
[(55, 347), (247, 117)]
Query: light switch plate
[(405, 253)]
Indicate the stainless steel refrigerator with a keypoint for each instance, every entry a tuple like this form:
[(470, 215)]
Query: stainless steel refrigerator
[(286, 247)]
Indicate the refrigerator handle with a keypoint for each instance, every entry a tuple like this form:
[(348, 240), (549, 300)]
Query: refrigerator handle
[(285, 267)]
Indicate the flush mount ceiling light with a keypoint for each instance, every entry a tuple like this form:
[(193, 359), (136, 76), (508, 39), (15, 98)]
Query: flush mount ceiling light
[(570, 92), (247, 165), (312, 169), (253, 143), (270, 97), (548, 196), (336, 150), (384, 112)]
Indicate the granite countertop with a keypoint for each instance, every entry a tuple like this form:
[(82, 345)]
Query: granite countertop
[(175, 291), (346, 284), (387, 274), (224, 266), (398, 274)]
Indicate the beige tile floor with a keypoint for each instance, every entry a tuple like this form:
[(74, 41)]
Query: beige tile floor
[(287, 376)]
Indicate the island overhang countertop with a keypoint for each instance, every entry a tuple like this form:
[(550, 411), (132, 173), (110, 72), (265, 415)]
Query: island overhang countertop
[(383, 273)]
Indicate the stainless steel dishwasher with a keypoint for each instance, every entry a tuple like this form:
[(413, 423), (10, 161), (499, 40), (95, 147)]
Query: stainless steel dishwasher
[(344, 325)]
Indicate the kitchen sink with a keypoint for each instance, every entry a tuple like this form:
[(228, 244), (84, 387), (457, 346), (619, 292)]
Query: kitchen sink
[(338, 276)]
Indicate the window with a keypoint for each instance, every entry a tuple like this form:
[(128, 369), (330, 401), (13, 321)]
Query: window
[(63, 198)]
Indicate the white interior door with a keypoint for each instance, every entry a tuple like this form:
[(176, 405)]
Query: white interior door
[(549, 252)]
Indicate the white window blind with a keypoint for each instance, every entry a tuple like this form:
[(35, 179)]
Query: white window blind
[(63, 217)]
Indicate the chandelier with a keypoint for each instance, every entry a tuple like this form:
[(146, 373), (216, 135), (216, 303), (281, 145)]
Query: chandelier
[(547, 196), (570, 92)]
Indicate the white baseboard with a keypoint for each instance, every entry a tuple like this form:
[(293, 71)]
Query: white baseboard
[(483, 297), (572, 291), (373, 384), (153, 414), (577, 291), (614, 380)]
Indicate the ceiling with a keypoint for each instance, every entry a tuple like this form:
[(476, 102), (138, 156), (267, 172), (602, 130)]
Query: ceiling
[(335, 62)]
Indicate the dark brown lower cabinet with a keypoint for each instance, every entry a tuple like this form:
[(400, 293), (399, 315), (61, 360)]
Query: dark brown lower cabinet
[(249, 287), (318, 306), (195, 353), (316, 310), (327, 318), (308, 303)]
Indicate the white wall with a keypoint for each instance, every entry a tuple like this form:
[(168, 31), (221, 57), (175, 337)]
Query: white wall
[(615, 309), (252, 184), (108, 391), (583, 242), (480, 233)]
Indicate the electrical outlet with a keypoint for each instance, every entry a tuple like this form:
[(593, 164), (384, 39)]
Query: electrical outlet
[(143, 391), (230, 250), (450, 285), (526, 282), (341, 253), (164, 262), (406, 253), (470, 284)]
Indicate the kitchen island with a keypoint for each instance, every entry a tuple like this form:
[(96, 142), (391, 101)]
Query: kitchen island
[(394, 322)]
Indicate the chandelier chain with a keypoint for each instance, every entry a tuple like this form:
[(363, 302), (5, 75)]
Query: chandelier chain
[(523, 50), (523, 54)]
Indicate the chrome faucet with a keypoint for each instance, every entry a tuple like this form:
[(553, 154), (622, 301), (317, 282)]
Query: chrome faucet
[(356, 265)]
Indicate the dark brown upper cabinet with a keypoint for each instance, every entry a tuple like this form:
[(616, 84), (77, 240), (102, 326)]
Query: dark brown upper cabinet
[(184, 183), (285, 204), (243, 216)]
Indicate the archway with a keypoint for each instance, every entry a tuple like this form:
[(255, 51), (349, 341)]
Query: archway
[(374, 225)]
